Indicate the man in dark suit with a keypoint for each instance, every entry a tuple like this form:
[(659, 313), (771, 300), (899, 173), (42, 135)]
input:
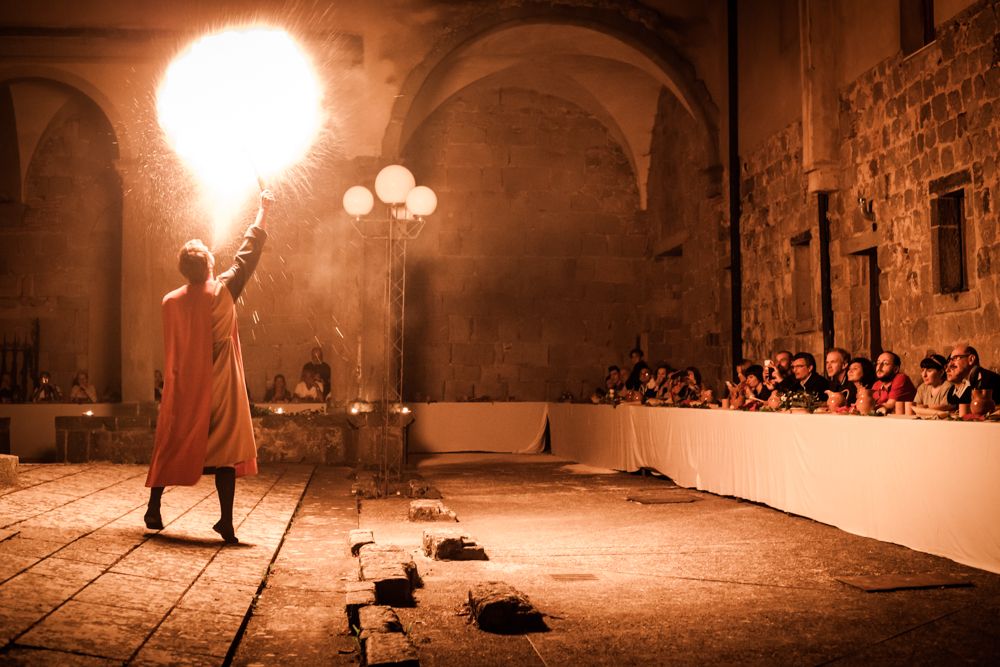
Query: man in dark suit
[(805, 376)]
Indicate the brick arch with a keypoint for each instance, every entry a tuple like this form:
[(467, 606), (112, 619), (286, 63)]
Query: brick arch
[(643, 34)]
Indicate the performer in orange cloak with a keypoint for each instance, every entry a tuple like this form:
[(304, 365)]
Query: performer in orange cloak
[(204, 424)]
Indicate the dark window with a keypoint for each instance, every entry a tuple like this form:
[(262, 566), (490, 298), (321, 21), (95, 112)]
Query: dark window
[(802, 277), (916, 24), (947, 235)]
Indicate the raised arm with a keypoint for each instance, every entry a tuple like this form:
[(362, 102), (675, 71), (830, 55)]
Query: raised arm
[(236, 277)]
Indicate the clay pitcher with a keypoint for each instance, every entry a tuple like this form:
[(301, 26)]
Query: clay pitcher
[(774, 402), (982, 402), (835, 399), (865, 401)]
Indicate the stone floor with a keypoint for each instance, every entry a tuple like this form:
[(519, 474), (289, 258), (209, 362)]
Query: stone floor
[(713, 580)]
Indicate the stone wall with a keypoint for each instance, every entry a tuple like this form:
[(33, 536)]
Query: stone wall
[(906, 125), (685, 291), (529, 279)]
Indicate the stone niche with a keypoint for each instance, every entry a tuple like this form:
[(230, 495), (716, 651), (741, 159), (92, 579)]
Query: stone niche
[(287, 438)]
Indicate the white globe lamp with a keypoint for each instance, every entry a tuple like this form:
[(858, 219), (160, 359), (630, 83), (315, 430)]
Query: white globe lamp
[(393, 183), (421, 201), (358, 201)]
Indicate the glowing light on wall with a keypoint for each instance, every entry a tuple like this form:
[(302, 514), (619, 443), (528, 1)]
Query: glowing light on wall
[(237, 107)]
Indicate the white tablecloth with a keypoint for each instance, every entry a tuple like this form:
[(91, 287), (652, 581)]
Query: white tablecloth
[(516, 428), (930, 486)]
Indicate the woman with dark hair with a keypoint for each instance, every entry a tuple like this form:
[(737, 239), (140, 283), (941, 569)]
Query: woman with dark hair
[(690, 385), (204, 425), (933, 392), (860, 374), (278, 393), (755, 389)]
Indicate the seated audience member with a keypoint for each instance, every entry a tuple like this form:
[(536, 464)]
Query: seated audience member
[(278, 393), (933, 391), (7, 391), (891, 386), (837, 361), (82, 391), (638, 363), (860, 375), (662, 380), (689, 385), (965, 373), (779, 376), (309, 389), (157, 385), (755, 387), (647, 383), (46, 391), (805, 376), (321, 369)]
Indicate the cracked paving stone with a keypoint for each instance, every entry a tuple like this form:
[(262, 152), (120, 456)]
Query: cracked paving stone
[(203, 633), (30, 657), (207, 595), (131, 592), (109, 632)]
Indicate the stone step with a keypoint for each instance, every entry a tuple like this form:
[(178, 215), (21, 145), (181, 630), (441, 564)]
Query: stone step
[(451, 544)]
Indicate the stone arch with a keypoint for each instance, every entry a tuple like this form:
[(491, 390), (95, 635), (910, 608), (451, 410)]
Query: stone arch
[(634, 39)]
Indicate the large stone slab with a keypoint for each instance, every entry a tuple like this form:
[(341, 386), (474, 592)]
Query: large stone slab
[(393, 572), (430, 510), (8, 470), (378, 618), (360, 594), (390, 648), (359, 538), (501, 608), (451, 544)]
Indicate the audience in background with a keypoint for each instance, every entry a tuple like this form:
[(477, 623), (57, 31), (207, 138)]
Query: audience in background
[(46, 391), (805, 376), (310, 388), (82, 391), (321, 369), (891, 385), (278, 391), (837, 361), (965, 373), (157, 384), (933, 392), (633, 381)]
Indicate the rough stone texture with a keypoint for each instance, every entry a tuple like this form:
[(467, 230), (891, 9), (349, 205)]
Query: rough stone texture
[(446, 544), (365, 485), (430, 510), (303, 438), (118, 439), (393, 572), (390, 648), (378, 618), (501, 608), (360, 594), (904, 124), (359, 538), (527, 283), (8, 470)]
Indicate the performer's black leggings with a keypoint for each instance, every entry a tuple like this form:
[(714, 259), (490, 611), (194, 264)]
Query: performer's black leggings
[(225, 486)]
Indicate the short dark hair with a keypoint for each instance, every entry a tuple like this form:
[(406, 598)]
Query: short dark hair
[(896, 361), (755, 370), (971, 350), (195, 261), (934, 362), (807, 357), (612, 368), (636, 350)]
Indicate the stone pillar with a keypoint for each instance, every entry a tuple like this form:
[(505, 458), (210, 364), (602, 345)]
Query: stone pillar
[(817, 44), (140, 315)]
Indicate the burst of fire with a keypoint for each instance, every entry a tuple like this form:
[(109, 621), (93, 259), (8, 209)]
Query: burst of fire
[(238, 107)]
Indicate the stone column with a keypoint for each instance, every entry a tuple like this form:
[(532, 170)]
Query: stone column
[(817, 44), (140, 315)]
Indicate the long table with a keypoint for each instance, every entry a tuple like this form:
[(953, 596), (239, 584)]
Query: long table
[(517, 428), (931, 486)]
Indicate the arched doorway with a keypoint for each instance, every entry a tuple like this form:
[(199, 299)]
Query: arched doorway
[(62, 219)]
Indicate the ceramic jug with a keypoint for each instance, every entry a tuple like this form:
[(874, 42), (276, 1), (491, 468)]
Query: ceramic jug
[(865, 401), (835, 399), (982, 402)]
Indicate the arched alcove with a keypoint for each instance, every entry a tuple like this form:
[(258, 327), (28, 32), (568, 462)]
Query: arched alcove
[(63, 257)]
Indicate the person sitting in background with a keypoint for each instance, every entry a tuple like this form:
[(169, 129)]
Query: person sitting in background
[(7, 391), (46, 392), (805, 376), (82, 391), (933, 391), (278, 392), (157, 385), (309, 389), (891, 386), (965, 373), (860, 375), (321, 369), (690, 388), (755, 389), (648, 384), (837, 361), (662, 380), (638, 363)]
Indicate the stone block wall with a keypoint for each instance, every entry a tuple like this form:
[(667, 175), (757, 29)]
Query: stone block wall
[(530, 278), (906, 125)]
